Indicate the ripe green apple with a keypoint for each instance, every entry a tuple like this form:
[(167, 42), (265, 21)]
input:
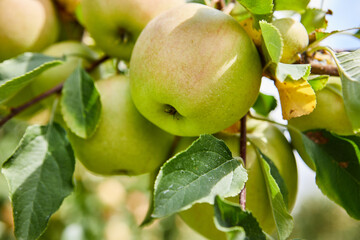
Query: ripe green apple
[(124, 142), (75, 52), (194, 70), (26, 25), (329, 114), (116, 24), (272, 143), (295, 38)]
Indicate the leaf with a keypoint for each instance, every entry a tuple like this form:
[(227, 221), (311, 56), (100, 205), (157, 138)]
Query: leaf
[(264, 104), (232, 219), (83, 117), (295, 5), (297, 98), (283, 220), (337, 161), (272, 40), (318, 82), (18, 72), (349, 69), (39, 175), (197, 175), (260, 9), (357, 34), (313, 19), (292, 71)]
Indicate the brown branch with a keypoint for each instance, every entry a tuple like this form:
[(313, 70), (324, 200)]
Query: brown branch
[(318, 68), (242, 195), (57, 89), (17, 110)]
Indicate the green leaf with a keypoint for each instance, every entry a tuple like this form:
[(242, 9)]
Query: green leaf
[(292, 71), (295, 5), (39, 175), (283, 220), (232, 219), (197, 175), (357, 34), (313, 19), (272, 42), (264, 104), (260, 9), (349, 68), (83, 117), (18, 72), (318, 82), (337, 161)]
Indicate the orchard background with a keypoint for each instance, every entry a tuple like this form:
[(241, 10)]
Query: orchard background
[(112, 207)]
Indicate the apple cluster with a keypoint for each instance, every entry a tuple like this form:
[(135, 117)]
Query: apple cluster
[(192, 70)]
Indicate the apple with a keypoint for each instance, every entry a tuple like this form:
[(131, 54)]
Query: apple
[(124, 142), (272, 143), (75, 52), (295, 38), (26, 25), (329, 114), (116, 24), (194, 70)]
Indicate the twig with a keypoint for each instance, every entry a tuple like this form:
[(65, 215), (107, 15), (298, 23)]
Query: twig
[(242, 195), (318, 68), (57, 89), (17, 110)]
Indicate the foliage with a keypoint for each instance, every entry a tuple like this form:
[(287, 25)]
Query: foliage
[(41, 171)]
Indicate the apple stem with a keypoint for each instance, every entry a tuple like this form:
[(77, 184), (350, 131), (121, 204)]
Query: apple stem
[(57, 89), (242, 195)]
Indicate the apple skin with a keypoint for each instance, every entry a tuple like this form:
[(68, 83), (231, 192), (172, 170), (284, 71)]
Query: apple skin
[(329, 114), (194, 70), (272, 143), (295, 38), (116, 24), (26, 25), (124, 142)]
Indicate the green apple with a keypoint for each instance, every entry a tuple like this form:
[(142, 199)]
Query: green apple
[(329, 114), (124, 142), (116, 24), (26, 25), (272, 143), (76, 53), (194, 70), (295, 38)]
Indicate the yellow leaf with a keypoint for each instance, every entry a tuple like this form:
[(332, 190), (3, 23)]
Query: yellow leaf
[(297, 98)]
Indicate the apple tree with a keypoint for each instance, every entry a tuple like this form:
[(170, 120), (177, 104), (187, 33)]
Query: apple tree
[(171, 89)]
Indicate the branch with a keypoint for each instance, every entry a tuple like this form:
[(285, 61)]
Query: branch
[(57, 89), (242, 195), (318, 68)]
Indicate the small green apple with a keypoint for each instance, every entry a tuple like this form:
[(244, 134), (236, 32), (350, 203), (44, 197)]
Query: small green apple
[(116, 24), (75, 52), (26, 25), (329, 114), (272, 143), (124, 142), (194, 70), (295, 38)]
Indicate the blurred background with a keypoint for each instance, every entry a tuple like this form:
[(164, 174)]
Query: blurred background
[(111, 208)]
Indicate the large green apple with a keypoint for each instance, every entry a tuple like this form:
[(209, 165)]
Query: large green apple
[(272, 143), (76, 53), (295, 38), (116, 24), (26, 25), (194, 70), (124, 142), (329, 114)]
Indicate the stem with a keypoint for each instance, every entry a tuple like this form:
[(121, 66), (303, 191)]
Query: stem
[(173, 147), (57, 89), (242, 195), (17, 110), (319, 68)]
